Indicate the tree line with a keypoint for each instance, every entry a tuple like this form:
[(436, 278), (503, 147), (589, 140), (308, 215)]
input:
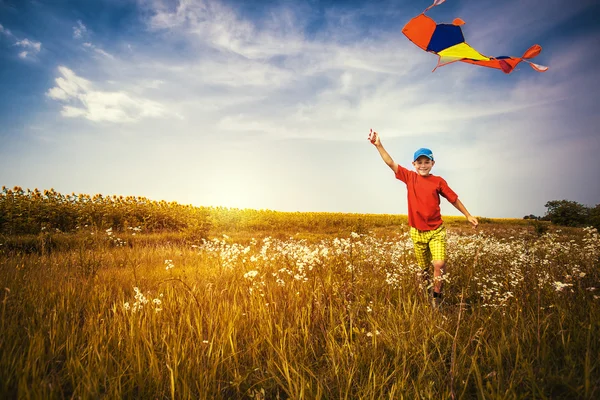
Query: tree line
[(570, 213)]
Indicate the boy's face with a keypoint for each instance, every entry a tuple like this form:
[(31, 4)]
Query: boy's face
[(423, 165)]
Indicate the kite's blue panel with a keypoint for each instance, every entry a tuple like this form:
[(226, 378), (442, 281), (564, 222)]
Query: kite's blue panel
[(444, 36)]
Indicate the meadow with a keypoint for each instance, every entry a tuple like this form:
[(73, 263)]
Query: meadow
[(266, 305)]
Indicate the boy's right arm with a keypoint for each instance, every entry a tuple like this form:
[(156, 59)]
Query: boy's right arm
[(374, 139)]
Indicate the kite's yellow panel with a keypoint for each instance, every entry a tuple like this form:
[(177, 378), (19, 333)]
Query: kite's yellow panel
[(462, 50)]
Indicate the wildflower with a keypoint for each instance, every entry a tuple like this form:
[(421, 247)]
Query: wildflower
[(559, 286), (126, 306), (250, 274), (140, 300), (169, 264)]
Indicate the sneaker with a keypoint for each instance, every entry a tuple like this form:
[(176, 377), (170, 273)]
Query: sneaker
[(437, 301)]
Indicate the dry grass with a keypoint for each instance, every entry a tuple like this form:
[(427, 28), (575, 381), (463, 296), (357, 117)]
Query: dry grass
[(304, 316)]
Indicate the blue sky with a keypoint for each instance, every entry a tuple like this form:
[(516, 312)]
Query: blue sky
[(268, 104)]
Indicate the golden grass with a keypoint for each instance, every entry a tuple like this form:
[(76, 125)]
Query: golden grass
[(308, 315)]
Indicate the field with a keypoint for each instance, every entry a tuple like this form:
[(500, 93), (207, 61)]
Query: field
[(272, 305)]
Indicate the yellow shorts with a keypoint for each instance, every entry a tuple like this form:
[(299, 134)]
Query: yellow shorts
[(429, 245)]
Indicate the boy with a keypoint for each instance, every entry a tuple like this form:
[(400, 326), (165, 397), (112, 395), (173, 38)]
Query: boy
[(427, 230)]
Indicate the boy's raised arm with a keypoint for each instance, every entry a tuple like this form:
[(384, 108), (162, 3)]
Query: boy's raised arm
[(374, 139)]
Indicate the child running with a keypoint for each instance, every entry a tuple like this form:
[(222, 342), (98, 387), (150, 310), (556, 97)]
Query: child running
[(427, 229)]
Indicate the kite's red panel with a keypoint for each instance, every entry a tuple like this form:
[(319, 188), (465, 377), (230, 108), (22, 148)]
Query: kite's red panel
[(419, 30)]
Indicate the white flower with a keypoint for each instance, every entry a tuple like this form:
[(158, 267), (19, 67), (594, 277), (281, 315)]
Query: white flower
[(250, 274), (559, 286)]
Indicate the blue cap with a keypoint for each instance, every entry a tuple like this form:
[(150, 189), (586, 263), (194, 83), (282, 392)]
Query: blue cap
[(423, 152)]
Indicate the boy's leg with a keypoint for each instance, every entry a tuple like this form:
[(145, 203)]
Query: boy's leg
[(420, 241), (437, 245), (439, 267)]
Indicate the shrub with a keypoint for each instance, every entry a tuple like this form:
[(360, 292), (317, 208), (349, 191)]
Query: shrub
[(567, 213)]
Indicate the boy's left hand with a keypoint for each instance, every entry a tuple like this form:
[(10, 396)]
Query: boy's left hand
[(473, 221)]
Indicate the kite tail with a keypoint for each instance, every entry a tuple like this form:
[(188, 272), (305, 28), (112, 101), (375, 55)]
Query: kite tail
[(532, 52), (435, 3), (537, 67)]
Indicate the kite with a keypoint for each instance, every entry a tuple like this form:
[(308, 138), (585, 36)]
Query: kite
[(448, 42)]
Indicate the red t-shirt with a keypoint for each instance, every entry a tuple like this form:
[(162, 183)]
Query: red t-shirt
[(424, 198)]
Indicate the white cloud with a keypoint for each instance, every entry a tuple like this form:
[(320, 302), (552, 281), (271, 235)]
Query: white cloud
[(28, 44), (32, 47), (98, 50), (79, 30), (219, 26), (98, 105), (5, 31)]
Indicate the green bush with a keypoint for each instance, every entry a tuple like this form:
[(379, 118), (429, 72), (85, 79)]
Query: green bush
[(567, 213), (595, 217)]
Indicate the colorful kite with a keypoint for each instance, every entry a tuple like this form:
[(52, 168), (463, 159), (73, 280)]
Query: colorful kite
[(448, 42)]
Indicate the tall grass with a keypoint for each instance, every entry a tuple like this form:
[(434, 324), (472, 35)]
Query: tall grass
[(337, 317)]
